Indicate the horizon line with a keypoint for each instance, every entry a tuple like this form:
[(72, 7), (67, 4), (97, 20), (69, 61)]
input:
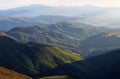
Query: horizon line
[(61, 6)]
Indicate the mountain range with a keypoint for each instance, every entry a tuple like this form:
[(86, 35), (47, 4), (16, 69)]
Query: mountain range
[(8, 23), (72, 36), (62, 42), (67, 35), (99, 16)]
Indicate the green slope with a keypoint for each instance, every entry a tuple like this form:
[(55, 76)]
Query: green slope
[(31, 58)]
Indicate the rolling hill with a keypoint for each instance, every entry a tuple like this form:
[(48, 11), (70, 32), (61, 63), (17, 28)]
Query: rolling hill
[(77, 30), (45, 36), (65, 34), (35, 60), (46, 61), (102, 42)]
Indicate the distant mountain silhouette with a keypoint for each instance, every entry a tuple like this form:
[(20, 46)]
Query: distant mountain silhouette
[(8, 23), (99, 16)]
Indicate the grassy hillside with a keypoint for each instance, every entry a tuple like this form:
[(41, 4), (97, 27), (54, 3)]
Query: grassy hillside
[(9, 74), (31, 58)]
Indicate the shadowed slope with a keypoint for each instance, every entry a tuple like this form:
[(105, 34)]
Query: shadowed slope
[(31, 58)]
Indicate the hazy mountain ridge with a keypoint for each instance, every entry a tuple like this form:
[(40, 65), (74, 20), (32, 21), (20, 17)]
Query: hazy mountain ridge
[(99, 16), (8, 23), (45, 10)]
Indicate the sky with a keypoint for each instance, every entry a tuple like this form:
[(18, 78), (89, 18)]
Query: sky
[(6, 4)]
